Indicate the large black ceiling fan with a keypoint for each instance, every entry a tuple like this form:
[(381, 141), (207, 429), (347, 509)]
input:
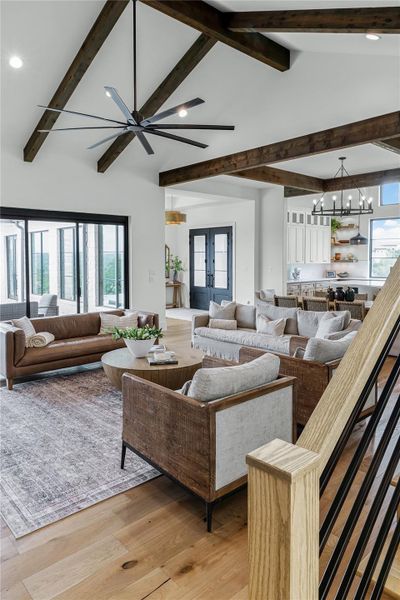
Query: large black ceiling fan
[(134, 121)]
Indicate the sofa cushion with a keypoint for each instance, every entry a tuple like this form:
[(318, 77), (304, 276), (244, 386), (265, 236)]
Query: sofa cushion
[(72, 326), (219, 311), (266, 325), (278, 312), (70, 348), (330, 324), (219, 382), (243, 337), (245, 316), (308, 320), (222, 323), (325, 350)]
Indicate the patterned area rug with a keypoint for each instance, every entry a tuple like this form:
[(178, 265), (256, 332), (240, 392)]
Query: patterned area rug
[(61, 444)]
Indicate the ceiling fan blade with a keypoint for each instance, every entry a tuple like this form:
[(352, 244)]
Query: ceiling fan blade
[(178, 138), (121, 104), (80, 128), (188, 126), (172, 111), (142, 139), (73, 112), (110, 137)]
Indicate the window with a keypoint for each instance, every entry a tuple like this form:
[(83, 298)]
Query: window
[(67, 262), (11, 255), (384, 245), (110, 251), (390, 194), (39, 263)]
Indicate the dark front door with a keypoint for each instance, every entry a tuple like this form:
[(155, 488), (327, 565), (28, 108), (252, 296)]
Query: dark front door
[(210, 266)]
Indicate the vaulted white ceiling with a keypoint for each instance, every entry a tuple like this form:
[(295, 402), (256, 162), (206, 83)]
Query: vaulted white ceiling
[(334, 79)]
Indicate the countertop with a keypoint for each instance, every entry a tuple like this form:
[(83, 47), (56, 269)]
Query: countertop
[(347, 281)]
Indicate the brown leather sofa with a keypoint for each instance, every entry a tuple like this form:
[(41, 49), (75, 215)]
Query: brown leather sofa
[(76, 343)]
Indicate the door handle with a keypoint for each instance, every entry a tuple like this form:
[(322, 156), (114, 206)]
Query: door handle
[(211, 280)]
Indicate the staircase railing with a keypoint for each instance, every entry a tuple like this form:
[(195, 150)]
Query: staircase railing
[(286, 480)]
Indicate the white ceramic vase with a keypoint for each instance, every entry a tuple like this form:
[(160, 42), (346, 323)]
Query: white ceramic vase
[(139, 348)]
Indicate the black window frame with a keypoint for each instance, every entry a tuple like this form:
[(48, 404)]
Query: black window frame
[(28, 214), (100, 267), (371, 243), (12, 279)]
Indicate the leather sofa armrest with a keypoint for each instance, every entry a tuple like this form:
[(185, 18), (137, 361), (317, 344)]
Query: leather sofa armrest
[(12, 348), (199, 321)]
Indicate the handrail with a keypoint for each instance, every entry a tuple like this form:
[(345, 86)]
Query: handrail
[(284, 478), (332, 412)]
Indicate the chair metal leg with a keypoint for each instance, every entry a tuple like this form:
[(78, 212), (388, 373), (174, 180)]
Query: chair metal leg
[(209, 513), (123, 454)]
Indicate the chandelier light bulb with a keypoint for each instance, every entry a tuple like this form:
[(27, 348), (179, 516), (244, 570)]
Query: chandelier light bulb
[(362, 197), (350, 197), (348, 204), (334, 197), (315, 201), (370, 200)]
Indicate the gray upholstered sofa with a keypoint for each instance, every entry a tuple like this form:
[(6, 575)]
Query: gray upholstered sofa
[(300, 326)]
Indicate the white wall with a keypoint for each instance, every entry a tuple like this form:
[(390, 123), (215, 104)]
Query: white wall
[(271, 240), (214, 212)]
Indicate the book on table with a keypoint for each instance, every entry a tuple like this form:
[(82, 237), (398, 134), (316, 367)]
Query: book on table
[(162, 358)]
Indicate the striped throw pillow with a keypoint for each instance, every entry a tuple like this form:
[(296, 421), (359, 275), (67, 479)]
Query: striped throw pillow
[(25, 324), (109, 321)]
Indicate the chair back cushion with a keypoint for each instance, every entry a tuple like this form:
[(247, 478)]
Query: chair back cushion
[(219, 382), (326, 350), (276, 312)]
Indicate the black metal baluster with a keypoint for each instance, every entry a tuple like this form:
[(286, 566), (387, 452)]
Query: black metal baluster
[(379, 543), (387, 563), (359, 503), (337, 453), (370, 522), (361, 449)]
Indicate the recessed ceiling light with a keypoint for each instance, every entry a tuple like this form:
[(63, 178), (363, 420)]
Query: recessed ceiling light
[(373, 36), (15, 62), (182, 113)]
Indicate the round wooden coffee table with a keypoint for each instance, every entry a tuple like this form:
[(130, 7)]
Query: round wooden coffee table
[(118, 362)]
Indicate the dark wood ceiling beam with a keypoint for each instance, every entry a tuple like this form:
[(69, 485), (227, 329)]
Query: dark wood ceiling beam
[(338, 20), (280, 177), (362, 180), (352, 134), (393, 145), (209, 20), (167, 87), (102, 27), (291, 192)]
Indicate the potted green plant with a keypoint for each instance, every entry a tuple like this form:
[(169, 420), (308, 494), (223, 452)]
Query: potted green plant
[(335, 225), (176, 266), (138, 340)]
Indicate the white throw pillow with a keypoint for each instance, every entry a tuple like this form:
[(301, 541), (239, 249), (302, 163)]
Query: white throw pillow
[(245, 315), (25, 324), (109, 321), (327, 350), (222, 324), (279, 312), (328, 324), (218, 382), (217, 311), (266, 325), (267, 295)]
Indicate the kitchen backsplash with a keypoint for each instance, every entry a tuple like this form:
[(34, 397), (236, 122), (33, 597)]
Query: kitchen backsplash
[(318, 271)]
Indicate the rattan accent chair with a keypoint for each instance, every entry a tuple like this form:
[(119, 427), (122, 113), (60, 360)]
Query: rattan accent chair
[(286, 301), (356, 308), (320, 293), (361, 297), (317, 304)]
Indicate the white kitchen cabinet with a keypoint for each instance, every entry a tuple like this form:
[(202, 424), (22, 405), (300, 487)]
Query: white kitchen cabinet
[(296, 244)]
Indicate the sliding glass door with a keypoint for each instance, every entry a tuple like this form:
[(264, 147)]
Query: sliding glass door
[(60, 266)]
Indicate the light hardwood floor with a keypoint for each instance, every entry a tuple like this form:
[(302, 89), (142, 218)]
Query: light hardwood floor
[(149, 542)]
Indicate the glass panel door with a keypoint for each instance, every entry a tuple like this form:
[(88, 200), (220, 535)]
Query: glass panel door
[(12, 269), (110, 251), (210, 266)]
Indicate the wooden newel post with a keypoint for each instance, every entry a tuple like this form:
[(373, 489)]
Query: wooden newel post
[(283, 522)]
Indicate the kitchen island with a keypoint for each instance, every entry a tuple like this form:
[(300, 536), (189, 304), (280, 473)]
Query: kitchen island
[(307, 287)]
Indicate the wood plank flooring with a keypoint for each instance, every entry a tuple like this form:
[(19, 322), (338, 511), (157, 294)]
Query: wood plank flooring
[(147, 543)]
